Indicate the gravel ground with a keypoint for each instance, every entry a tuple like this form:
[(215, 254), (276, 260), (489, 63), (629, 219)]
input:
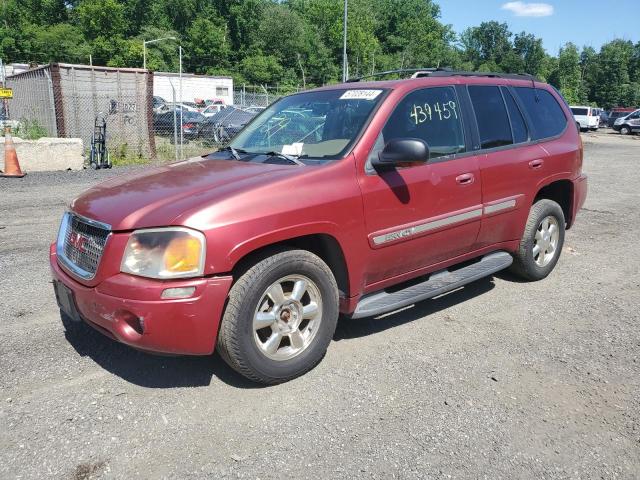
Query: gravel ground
[(500, 379)]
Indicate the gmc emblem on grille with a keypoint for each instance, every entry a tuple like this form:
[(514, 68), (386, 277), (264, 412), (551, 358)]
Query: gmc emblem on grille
[(77, 241)]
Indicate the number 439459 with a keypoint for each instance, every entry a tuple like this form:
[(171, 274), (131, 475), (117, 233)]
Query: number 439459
[(434, 111)]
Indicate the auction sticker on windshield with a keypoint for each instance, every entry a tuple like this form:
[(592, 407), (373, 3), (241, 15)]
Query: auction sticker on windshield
[(360, 94)]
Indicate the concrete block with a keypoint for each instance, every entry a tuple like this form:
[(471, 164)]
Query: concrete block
[(47, 154)]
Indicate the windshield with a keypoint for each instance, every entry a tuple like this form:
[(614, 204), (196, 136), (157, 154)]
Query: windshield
[(321, 124)]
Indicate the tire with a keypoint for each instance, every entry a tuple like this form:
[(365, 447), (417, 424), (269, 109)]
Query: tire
[(527, 264), (245, 346), (625, 130)]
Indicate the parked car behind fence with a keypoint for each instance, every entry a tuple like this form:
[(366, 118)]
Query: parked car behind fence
[(224, 125), (163, 124)]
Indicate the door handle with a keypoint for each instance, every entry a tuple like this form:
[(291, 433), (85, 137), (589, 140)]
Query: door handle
[(465, 179), (537, 163)]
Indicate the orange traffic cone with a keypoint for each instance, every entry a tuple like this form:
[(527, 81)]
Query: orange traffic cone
[(11, 164)]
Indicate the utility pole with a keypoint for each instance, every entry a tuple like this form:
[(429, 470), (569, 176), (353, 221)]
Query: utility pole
[(181, 106), (345, 65)]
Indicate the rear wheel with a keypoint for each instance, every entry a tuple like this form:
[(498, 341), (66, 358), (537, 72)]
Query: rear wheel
[(541, 242), (280, 317)]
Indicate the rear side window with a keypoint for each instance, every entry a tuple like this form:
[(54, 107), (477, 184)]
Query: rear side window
[(491, 115), (518, 125), (543, 109), (431, 114), (579, 111)]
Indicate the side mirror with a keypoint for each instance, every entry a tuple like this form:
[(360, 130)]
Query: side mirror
[(403, 152)]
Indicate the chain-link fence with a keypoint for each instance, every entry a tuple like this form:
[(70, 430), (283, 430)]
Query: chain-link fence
[(32, 109), (62, 100), (254, 97)]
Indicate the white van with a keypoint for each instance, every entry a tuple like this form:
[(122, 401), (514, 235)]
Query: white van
[(587, 118)]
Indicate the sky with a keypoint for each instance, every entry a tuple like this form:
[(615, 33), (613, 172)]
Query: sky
[(585, 23)]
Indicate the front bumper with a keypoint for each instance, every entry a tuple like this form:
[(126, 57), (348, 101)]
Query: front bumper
[(130, 310)]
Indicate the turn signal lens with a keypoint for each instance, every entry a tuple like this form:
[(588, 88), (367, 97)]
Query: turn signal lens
[(182, 255)]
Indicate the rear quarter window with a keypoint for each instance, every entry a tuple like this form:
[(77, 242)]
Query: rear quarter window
[(544, 111)]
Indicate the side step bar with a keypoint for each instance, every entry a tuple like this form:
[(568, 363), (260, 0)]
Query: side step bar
[(438, 283)]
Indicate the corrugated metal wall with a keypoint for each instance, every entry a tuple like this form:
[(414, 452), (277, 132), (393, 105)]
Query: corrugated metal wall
[(33, 99)]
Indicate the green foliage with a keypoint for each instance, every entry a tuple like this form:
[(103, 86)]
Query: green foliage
[(569, 74), (30, 130), (299, 42)]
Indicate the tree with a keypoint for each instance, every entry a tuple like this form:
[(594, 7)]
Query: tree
[(529, 48), (613, 82), (261, 69), (588, 73), (569, 73), (489, 43), (292, 42), (207, 43), (101, 18)]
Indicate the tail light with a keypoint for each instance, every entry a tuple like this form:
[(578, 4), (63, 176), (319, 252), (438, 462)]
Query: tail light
[(188, 125)]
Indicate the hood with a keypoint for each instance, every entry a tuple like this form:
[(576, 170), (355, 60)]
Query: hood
[(157, 196)]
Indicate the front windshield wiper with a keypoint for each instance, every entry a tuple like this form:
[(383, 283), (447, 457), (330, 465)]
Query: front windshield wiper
[(284, 156), (233, 151)]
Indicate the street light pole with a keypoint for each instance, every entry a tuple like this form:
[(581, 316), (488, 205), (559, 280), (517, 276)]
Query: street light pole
[(144, 48), (345, 64)]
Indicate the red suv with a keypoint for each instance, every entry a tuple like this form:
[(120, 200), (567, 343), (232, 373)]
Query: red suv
[(354, 199)]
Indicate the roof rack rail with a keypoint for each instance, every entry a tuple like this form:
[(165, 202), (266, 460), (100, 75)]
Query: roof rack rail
[(447, 72), (400, 70)]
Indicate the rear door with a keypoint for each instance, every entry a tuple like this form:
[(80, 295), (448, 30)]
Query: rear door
[(421, 215), (512, 123), (510, 166)]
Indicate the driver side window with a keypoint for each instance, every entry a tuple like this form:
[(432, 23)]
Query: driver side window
[(430, 114)]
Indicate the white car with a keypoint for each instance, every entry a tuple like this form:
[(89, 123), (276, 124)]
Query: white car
[(587, 118)]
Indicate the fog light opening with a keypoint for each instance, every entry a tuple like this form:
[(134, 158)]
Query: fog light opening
[(178, 292), (135, 322)]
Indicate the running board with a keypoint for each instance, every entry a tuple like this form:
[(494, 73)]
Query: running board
[(438, 283)]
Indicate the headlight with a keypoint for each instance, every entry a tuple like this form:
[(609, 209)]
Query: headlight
[(619, 120), (172, 252)]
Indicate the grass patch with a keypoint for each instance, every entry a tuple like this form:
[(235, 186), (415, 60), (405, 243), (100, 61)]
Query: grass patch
[(30, 130)]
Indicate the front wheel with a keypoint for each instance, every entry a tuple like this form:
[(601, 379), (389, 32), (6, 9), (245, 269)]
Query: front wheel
[(541, 242), (624, 130), (280, 317)]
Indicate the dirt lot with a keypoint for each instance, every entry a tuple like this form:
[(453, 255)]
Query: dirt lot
[(499, 380)]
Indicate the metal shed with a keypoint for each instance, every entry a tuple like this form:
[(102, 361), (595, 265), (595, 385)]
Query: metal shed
[(65, 99)]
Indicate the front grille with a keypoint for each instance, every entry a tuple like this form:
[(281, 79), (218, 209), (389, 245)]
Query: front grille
[(81, 243)]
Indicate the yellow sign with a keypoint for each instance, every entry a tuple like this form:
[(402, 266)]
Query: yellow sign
[(6, 93)]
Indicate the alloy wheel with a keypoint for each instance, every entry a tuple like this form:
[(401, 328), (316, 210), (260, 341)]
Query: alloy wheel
[(287, 317), (545, 243)]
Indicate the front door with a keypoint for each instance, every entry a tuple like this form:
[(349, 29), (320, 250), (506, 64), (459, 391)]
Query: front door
[(422, 215)]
